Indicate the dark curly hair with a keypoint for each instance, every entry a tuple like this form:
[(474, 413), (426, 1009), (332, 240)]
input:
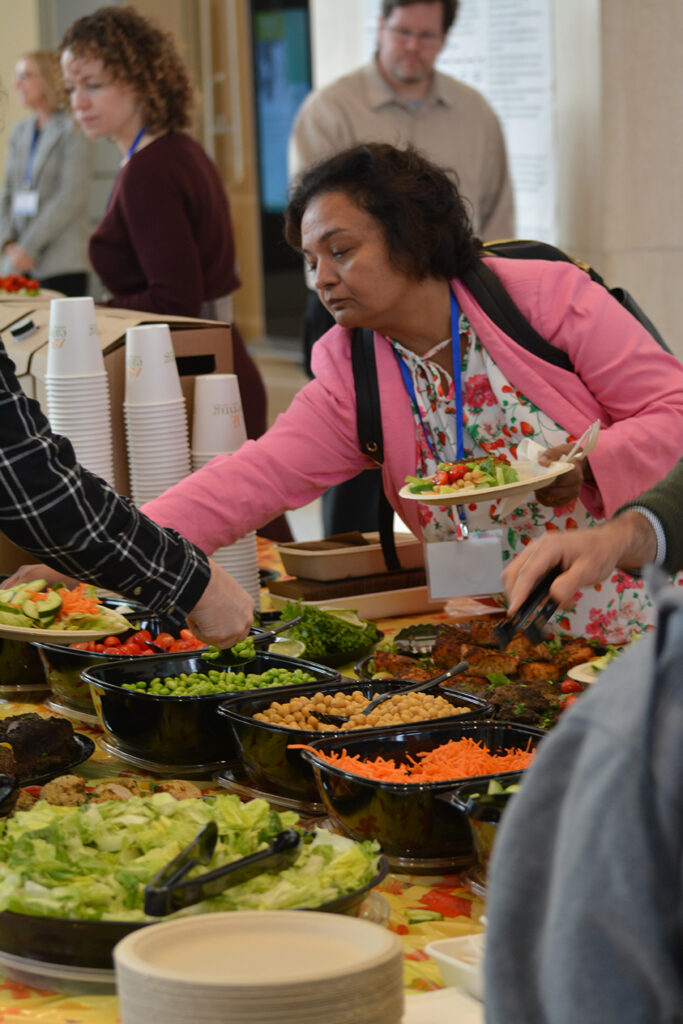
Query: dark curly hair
[(423, 216), (135, 51), (449, 7)]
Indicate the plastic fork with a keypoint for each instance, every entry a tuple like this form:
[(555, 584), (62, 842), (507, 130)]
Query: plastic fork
[(584, 445)]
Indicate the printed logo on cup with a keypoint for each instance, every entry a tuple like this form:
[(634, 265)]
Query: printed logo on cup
[(169, 357), (233, 409), (92, 329), (57, 336), (134, 366)]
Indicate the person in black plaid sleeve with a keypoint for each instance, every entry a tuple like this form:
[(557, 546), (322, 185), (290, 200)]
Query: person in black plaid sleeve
[(55, 509)]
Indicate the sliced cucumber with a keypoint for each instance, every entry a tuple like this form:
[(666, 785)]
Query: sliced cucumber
[(416, 916), (30, 608), (49, 608)]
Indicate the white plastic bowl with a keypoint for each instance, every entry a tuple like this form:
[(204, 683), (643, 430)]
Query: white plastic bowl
[(461, 961)]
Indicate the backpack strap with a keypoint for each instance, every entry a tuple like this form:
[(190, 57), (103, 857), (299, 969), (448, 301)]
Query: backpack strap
[(369, 424), (491, 295)]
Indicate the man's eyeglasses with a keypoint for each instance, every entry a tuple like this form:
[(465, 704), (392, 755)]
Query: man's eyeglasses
[(426, 39)]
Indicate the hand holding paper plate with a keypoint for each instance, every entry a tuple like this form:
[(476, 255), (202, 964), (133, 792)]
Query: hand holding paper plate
[(531, 476)]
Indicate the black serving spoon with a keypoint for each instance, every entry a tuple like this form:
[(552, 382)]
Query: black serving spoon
[(226, 657), (423, 685)]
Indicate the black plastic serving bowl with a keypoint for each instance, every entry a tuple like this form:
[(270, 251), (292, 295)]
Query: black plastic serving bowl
[(483, 816), (409, 820), (169, 730), (20, 665), (62, 665), (263, 749)]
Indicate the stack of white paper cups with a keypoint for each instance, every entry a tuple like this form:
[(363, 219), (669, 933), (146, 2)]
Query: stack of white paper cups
[(154, 413), (218, 429), (76, 384)]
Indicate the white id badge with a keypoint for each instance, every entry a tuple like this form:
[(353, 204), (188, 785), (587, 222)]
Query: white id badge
[(464, 568), (25, 203)]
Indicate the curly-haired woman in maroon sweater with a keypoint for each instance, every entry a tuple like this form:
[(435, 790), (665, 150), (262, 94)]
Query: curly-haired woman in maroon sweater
[(165, 243)]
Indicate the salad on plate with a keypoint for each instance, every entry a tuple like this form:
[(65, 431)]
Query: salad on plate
[(35, 605)]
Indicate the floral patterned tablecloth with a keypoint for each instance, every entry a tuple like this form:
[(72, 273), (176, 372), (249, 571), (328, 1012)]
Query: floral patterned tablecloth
[(447, 894)]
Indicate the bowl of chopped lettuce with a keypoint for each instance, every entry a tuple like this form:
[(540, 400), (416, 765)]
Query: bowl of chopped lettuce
[(72, 879)]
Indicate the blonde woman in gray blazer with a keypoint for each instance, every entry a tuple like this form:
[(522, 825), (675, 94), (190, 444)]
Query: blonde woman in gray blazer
[(44, 202)]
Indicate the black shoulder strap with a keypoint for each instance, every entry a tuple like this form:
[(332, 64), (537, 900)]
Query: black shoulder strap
[(370, 437), (368, 415), (497, 304)]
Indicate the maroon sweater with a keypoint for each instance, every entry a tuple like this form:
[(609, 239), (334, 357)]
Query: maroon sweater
[(165, 244)]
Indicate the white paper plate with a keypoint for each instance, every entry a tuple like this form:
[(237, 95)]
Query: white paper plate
[(75, 636), (584, 673), (533, 477)]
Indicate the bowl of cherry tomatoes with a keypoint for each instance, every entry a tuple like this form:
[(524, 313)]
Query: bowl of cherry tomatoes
[(64, 663)]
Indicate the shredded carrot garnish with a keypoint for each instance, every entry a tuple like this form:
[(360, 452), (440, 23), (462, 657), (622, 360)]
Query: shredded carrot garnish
[(457, 759), (76, 601)]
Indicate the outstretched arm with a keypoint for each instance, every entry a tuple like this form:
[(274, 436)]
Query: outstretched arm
[(586, 556)]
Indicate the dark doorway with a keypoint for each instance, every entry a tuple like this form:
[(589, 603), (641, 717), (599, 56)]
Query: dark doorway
[(282, 77)]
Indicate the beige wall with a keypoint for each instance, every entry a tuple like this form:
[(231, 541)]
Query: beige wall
[(19, 20), (642, 155)]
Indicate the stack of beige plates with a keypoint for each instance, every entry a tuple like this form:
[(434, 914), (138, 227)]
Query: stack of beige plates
[(253, 967)]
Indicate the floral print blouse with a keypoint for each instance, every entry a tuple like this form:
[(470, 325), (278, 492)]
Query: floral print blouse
[(496, 417)]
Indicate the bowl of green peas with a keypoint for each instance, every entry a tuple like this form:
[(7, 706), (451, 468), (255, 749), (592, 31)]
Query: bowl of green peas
[(165, 710)]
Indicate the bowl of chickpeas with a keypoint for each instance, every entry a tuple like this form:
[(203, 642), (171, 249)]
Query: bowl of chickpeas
[(268, 727), (164, 710)]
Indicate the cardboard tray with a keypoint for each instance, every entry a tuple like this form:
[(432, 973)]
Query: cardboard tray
[(387, 604), (347, 555)]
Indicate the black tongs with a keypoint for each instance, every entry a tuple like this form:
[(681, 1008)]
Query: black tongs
[(167, 892), (528, 616)]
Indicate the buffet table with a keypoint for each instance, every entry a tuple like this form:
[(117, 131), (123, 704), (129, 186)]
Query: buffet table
[(389, 904)]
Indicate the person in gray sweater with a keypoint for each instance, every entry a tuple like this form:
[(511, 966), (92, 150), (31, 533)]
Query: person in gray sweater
[(585, 904)]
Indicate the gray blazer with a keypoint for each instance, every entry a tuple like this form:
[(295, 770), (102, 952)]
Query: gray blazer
[(57, 235)]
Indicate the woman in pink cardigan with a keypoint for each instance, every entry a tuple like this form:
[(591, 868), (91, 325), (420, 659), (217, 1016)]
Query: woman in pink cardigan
[(388, 238)]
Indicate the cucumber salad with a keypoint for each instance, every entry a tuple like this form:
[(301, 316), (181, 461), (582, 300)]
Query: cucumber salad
[(34, 605)]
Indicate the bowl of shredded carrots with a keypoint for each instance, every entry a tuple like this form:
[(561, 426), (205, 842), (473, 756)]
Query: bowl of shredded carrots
[(268, 751), (388, 786)]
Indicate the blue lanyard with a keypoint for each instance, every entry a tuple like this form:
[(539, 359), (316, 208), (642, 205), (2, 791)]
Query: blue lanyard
[(457, 385), (136, 140), (457, 391), (28, 173)]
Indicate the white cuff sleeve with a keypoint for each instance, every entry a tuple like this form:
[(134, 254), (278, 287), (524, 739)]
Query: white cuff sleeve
[(656, 525)]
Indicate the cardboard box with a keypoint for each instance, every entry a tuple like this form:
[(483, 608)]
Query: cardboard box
[(201, 346)]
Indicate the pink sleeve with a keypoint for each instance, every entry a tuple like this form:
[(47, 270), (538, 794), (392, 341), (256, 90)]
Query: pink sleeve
[(310, 447), (638, 385)]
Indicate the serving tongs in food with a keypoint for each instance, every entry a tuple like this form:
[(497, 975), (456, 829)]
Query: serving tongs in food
[(226, 657), (268, 634), (167, 892), (529, 617), (422, 686)]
